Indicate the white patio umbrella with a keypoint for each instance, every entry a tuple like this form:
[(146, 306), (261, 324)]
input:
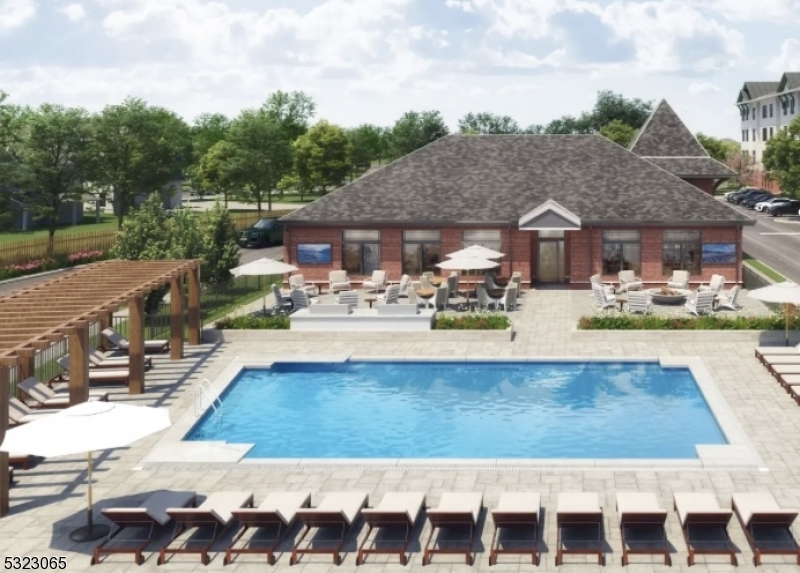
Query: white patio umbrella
[(263, 267), (467, 263), (85, 428), (786, 293), (477, 251)]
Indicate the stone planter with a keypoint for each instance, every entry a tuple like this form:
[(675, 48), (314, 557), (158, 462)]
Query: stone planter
[(215, 335)]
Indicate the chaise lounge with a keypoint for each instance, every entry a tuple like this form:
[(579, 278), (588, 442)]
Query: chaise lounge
[(766, 525), (150, 515), (641, 524), (456, 510), (339, 510), (397, 510), (772, 361), (516, 512), (20, 413), (119, 342), (99, 375), (48, 398), (763, 351), (579, 522), (279, 511), (99, 360), (705, 525)]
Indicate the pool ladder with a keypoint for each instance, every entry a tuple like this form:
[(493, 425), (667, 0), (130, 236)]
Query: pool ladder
[(202, 390)]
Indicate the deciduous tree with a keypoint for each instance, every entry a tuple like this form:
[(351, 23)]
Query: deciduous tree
[(719, 149), (744, 166), (366, 146), (415, 130), (782, 158), (220, 252), (619, 132), (207, 130), (214, 170), (10, 132), (293, 111), (487, 123), (322, 157)]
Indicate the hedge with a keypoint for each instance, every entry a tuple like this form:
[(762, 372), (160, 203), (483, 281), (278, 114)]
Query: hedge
[(247, 322), (473, 322), (632, 322)]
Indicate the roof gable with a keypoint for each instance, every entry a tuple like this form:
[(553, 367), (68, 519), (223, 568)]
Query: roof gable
[(665, 135), (550, 215), (759, 89), (789, 81)]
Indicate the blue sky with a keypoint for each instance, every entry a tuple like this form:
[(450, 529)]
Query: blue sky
[(372, 60)]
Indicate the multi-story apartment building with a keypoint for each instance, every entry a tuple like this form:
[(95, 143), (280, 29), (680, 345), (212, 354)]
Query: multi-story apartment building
[(766, 107)]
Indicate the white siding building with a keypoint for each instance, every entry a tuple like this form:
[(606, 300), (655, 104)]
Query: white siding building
[(766, 107)]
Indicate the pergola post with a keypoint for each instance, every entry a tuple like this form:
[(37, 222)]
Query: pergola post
[(106, 321), (5, 391), (194, 305), (136, 344), (176, 317), (27, 365), (79, 363)]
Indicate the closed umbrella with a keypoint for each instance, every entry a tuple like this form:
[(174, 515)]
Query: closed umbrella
[(477, 251), (467, 263), (786, 293), (85, 428), (263, 267)]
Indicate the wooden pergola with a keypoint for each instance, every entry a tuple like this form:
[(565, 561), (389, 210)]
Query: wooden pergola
[(35, 318)]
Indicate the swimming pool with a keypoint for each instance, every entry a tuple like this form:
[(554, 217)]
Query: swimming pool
[(509, 410)]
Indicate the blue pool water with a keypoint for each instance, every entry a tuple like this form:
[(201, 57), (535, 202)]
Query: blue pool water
[(464, 410)]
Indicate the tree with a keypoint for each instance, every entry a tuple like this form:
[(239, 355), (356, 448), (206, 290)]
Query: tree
[(292, 111), (366, 146), (139, 150), (414, 130), (607, 107), (9, 161), (744, 166), (262, 155), (220, 252), (782, 158), (719, 149), (208, 129), (54, 155), (213, 171), (322, 157), (619, 132), (486, 122)]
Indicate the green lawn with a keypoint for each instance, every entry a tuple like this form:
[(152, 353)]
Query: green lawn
[(87, 225), (762, 268)]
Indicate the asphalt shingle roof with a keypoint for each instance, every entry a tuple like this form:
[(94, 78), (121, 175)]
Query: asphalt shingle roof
[(474, 179), (694, 167), (665, 135), (760, 89), (789, 81)]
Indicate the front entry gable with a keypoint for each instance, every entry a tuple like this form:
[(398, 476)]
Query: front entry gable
[(550, 216)]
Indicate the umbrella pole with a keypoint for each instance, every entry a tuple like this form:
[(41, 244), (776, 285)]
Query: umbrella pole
[(89, 532)]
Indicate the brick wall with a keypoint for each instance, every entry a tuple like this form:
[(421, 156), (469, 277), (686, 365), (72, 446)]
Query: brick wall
[(706, 185)]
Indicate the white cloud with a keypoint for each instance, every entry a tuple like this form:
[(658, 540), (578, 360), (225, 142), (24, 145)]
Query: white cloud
[(789, 58), (703, 87), (746, 11), (15, 13), (74, 12)]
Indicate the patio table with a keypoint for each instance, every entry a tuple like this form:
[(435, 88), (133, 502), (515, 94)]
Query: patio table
[(437, 282), (621, 300), (426, 294)]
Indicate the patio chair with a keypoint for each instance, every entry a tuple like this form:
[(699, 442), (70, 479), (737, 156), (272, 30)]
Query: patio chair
[(337, 280), (639, 301), (405, 281), (452, 286), (391, 296), (338, 510), (119, 342), (47, 398), (99, 360), (516, 279), (496, 297), (397, 510), (215, 513), (628, 281), (641, 525), (428, 274), (518, 513), (482, 296), (300, 299), (348, 297), (278, 511), (488, 280), (603, 299), (679, 280), (299, 282), (440, 298), (425, 282), (456, 510), (730, 301), (715, 285), (509, 300), (100, 375), (579, 523), (768, 528), (704, 524), (763, 351), (20, 413), (703, 303), (376, 283), (149, 515), (597, 281), (281, 303)]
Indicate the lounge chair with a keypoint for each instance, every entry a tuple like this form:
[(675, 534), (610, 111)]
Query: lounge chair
[(518, 512), (376, 283), (48, 398), (20, 413), (456, 510), (730, 301), (715, 285), (216, 512), (641, 524), (597, 280), (300, 300), (22, 460), (151, 514), (281, 303), (100, 375), (628, 281), (99, 360), (773, 362), (338, 510), (679, 280), (703, 303), (397, 510), (579, 523), (405, 281), (338, 280), (768, 527), (279, 511), (119, 342), (603, 299), (762, 351), (780, 371), (299, 282), (391, 296), (348, 297), (704, 524), (639, 301)]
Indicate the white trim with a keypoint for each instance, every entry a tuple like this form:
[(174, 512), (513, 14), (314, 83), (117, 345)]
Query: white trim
[(772, 95), (551, 205)]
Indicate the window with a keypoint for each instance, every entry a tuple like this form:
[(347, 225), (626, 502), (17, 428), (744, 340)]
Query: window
[(763, 134), (422, 250), (682, 251), (770, 110), (754, 135), (764, 111), (771, 133), (361, 252), (791, 105), (622, 251), (488, 238)]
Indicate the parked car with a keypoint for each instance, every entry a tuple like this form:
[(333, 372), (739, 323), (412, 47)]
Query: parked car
[(791, 207), (264, 233), (740, 198), (762, 205), (731, 196), (750, 202)]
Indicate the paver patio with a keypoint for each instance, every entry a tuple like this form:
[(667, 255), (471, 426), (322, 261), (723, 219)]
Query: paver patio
[(49, 500)]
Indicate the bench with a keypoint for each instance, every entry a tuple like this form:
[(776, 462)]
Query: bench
[(329, 309)]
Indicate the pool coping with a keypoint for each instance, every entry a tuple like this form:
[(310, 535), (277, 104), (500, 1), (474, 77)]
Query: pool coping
[(172, 453)]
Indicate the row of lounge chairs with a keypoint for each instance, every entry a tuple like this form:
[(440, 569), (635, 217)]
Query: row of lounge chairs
[(517, 521), (783, 362)]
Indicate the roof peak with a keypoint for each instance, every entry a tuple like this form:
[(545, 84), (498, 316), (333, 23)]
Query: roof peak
[(665, 135)]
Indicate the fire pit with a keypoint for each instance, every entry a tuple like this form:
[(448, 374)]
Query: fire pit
[(665, 295)]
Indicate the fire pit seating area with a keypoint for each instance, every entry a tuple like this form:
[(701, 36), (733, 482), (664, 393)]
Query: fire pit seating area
[(666, 295)]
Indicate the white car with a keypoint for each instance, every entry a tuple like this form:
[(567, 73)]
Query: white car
[(764, 204)]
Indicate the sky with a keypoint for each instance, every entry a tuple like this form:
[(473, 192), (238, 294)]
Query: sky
[(369, 61)]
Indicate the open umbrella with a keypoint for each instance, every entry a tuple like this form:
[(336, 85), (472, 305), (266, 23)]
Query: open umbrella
[(786, 293), (477, 251), (85, 428), (263, 267), (467, 263)]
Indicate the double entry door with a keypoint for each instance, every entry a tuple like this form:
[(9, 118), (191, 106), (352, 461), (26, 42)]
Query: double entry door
[(550, 260)]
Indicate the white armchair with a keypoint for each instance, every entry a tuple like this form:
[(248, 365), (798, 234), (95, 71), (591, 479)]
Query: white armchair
[(376, 283), (338, 280), (715, 285), (679, 280), (299, 282), (629, 281)]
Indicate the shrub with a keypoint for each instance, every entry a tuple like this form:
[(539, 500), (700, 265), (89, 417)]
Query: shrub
[(483, 321), (248, 322), (650, 322)]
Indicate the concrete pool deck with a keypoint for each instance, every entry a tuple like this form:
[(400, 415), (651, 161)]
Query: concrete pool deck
[(49, 499)]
